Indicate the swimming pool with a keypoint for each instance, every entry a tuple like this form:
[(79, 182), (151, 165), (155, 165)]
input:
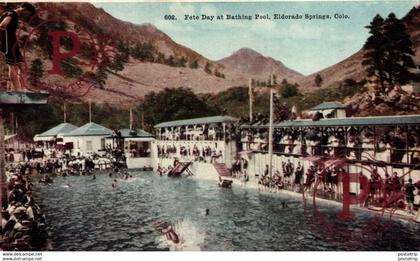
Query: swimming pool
[(93, 216)]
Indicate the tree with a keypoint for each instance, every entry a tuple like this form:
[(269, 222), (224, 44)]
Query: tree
[(287, 89), (375, 50), (143, 52), (124, 51), (182, 62), (160, 58), (207, 68), (194, 64), (100, 78), (44, 39), (174, 104), (318, 80), (269, 80), (235, 101), (71, 68), (118, 63), (170, 61), (217, 73), (388, 55), (36, 72), (400, 51)]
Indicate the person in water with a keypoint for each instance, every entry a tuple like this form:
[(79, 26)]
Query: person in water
[(114, 183), (207, 211), (94, 177), (167, 229)]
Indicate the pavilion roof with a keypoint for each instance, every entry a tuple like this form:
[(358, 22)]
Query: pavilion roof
[(195, 121), (402, 120)]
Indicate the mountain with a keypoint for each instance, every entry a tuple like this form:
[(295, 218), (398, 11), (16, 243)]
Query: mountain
[(158, 65), (155, 61), (246, 63), (351, 67), (126, 32)]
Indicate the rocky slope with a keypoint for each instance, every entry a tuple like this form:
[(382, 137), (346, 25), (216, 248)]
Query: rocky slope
[(395, 103)]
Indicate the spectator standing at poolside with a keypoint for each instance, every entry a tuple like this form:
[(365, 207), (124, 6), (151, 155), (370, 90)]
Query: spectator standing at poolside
[(409, 195), (266, 170), (310, 177), (298, 175), (417, 186)]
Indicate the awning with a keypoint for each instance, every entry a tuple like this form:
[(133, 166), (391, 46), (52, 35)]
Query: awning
[(145, 139), (38, 138)]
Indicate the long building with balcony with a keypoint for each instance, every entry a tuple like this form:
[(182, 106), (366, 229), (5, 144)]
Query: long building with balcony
[(384, 145), (208, 143)]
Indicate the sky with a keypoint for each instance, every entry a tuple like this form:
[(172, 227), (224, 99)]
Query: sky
[(306, 46)]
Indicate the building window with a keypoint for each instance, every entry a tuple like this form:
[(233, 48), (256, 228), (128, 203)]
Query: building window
[(89, 145)]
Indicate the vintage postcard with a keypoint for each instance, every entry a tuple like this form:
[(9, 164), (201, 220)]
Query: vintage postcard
[(210, 126)]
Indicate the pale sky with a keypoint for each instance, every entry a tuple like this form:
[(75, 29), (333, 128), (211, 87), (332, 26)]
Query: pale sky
[(304, 45)]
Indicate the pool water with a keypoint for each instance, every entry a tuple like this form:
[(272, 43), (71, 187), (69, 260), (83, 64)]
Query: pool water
[(90, 215)]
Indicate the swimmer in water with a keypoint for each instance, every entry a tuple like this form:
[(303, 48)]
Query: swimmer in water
[(167, 229), (284, 204), (114, 183), (207, 211), (94, 177)]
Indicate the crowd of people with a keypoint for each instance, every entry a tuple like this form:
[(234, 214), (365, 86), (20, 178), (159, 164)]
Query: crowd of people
[(190, 153), (209, 132), (389, 144), (390, 190), (387, 191), (23, 224), (54, 166)]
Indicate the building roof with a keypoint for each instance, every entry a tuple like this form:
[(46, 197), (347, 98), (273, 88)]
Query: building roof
[(353, 121), (328, 106), (62, 128), (204, 120), (90, 129), (21, 98), (127, 133)]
